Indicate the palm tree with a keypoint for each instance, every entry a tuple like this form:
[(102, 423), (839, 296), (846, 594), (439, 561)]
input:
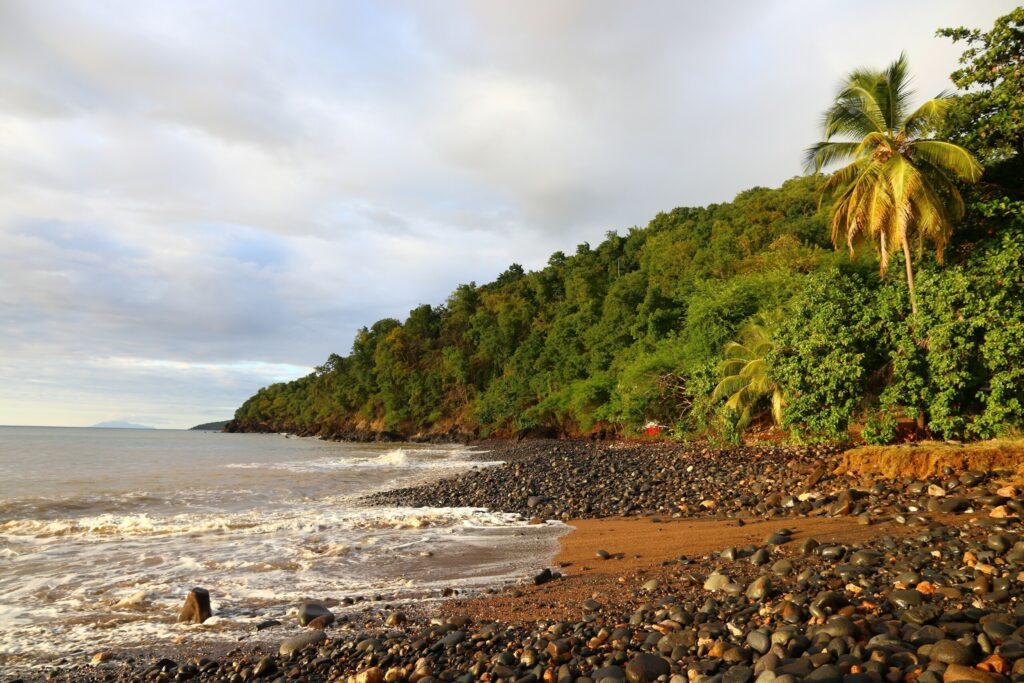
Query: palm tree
[(745, 377), (899, 185)]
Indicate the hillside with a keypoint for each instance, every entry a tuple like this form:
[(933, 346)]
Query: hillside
[(632, 330), (210, 426), (711, 319)]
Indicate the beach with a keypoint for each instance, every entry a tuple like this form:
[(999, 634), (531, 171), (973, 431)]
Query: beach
[(416, 343), (817, 576)]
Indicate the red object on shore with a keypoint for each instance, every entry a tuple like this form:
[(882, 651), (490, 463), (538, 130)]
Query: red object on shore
[(652, 429)]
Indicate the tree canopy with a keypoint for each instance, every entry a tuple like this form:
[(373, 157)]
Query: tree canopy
[(988, 117)]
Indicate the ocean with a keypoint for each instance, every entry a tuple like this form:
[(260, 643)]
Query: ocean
[(104, 531)]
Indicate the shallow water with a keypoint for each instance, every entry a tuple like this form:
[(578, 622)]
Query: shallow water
[(91, 519)]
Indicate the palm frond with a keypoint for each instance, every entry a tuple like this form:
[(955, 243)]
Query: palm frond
[(927, 116), (745, 378), (849, 218), (947, 193), (841, 178), (949, 157), (822, 154), (729, 386), (904, 181), (898, 187), (932, 218), (879, 206), (731, 366), (895, 92), (855, 111)]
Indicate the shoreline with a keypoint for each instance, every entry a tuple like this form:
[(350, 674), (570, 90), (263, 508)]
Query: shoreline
[(216, 639), (678, 568)]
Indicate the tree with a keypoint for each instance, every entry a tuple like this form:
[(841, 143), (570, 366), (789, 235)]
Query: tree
[(899, 185), (745, 377), (988, 118)]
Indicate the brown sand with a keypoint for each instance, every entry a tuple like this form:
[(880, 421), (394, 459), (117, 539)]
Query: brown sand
[(645, 544), (640, 546)]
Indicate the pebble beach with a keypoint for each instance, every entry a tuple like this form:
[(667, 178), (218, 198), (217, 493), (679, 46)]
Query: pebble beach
[(685, 563)]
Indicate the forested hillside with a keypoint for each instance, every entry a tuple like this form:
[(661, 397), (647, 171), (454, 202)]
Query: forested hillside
[(635, 329)]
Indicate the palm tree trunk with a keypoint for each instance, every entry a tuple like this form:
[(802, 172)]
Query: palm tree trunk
[(922, 420), (910, 275)]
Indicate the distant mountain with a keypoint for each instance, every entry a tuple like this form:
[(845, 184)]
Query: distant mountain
[(211, 426), (115, 424)]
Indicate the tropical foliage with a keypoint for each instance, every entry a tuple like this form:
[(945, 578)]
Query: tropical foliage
[(746, 380), (899, 186), (638, 327), (844, 351), (988, 118)]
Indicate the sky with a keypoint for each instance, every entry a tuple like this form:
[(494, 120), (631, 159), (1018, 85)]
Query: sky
[(201, 198)]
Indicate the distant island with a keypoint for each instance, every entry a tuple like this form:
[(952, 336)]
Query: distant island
[(116, 424), (210, 426)]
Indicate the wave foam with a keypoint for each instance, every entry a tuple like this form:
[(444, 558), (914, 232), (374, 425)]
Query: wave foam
[(310, 517), (399, 458), (104, 569)]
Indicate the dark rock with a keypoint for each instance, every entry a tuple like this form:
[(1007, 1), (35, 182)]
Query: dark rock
[(827, 673), (265, 667), (760, 557), (759, 641), (839, 627), (759, 588), (865, 558), (321, 622), (950, 652), (905, 598), (738, 674), (196, 609), (291, 646), (646, 668), (612, 672), (308, 611)]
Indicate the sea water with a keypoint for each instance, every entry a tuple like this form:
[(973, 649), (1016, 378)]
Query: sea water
[(104, 531)]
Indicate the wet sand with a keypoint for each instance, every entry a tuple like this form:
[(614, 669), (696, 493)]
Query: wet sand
[(643, 549)]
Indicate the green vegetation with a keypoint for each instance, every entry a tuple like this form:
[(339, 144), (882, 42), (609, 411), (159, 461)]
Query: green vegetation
[(899, 186), (211, 426), (988, 117), (637, 328), (746, 380)]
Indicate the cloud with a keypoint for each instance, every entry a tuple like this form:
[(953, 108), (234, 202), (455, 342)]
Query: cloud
[(198, 199)]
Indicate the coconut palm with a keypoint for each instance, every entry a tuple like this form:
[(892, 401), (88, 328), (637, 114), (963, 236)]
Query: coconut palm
[(899, 185), (745, 378)]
